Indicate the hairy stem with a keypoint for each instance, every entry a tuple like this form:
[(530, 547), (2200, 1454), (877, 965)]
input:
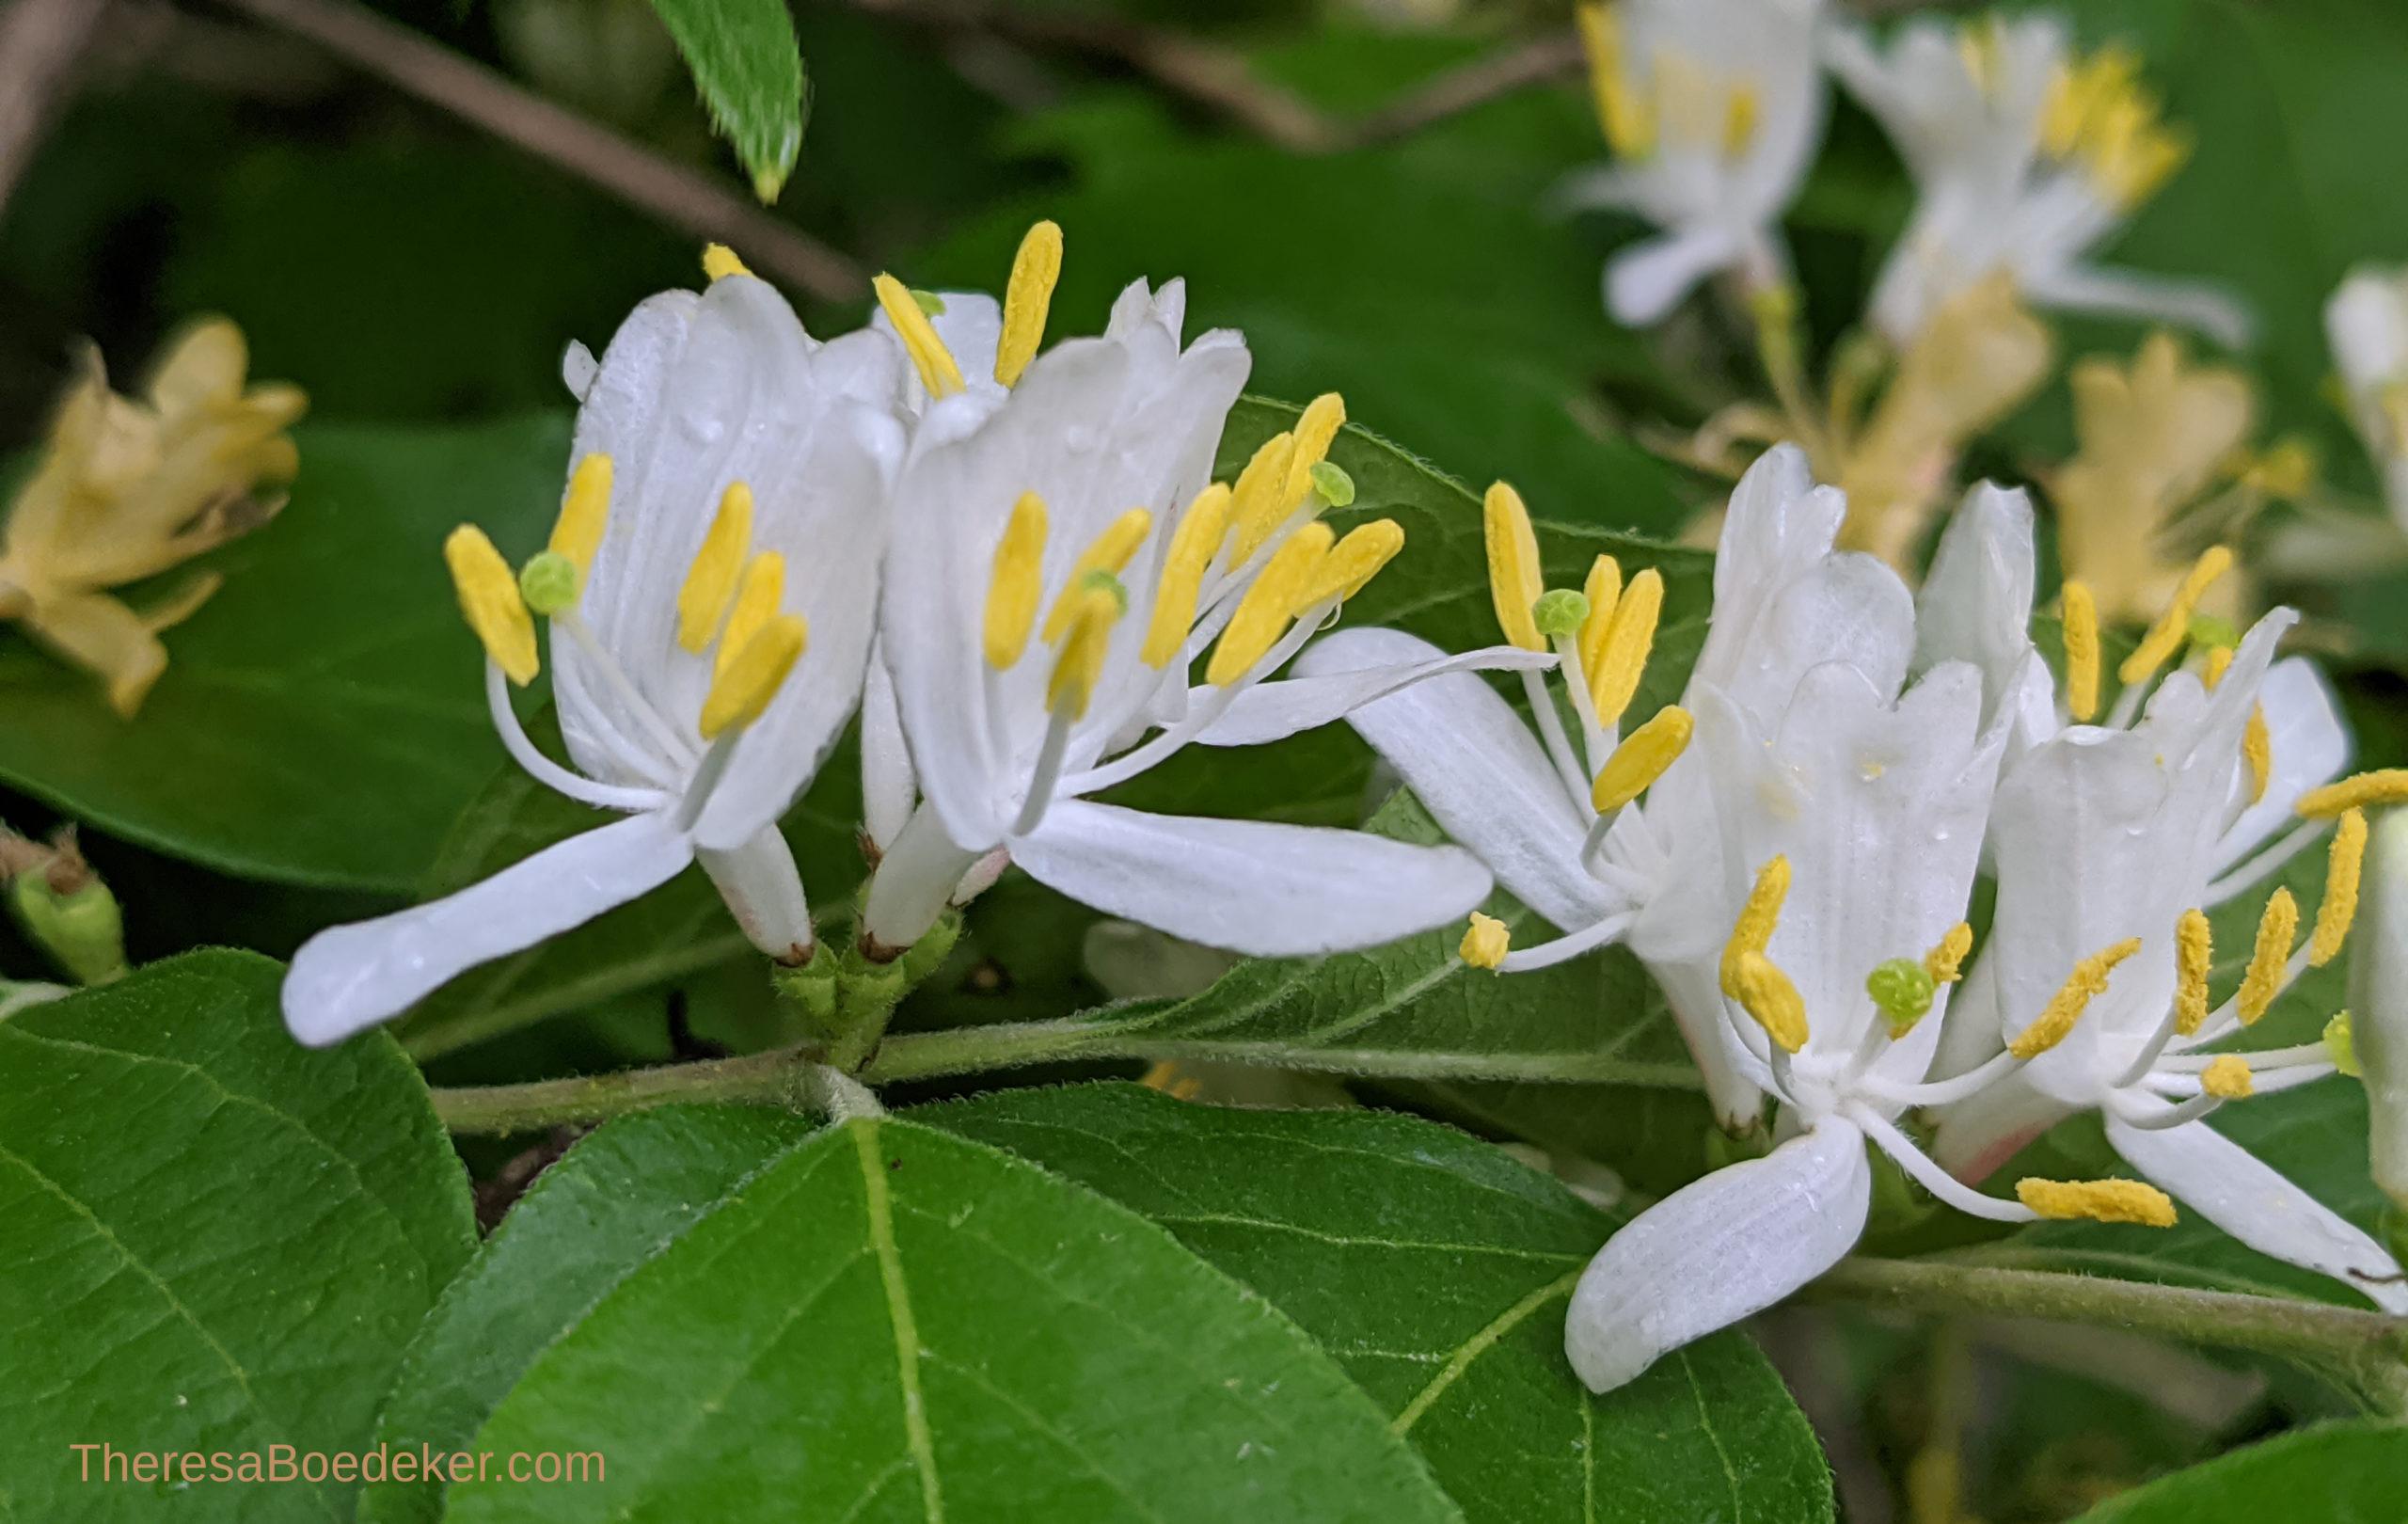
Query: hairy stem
[(788, 1077)]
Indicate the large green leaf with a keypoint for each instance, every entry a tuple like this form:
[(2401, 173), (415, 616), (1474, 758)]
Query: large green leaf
[(749, 68), (323, 718), (2341, 1473), (882, 1321), (217, 1240), (1436, 1270)]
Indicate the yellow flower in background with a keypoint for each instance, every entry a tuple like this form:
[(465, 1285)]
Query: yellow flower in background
[(130, 488)]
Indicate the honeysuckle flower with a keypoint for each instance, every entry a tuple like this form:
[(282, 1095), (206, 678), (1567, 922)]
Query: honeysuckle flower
[(2025, 156), (130, 488), (1060, 560), (730, 483), (2370, 1039), (1713, 109), (2366, 322)]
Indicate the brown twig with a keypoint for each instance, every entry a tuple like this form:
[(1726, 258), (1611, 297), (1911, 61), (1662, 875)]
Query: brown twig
[(1482, 80), (40, 43), (644, 178)]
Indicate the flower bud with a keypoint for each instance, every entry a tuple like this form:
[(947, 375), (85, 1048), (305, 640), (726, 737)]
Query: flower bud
[(64, 907)]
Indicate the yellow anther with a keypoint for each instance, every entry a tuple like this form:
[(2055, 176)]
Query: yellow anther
[(2339, 906), (1767, 993), (710, 583), (1641, 758), (1622, 655), (2270, 958), (935, 363), (1316, 429), (2384, 785), (490, 601), (1079, 665), (1742, 110), (1513, 577), (2082, 652), (2099, 1201), (1191, 546), (720, 262), (1027, 300), (2172, 627), (744, 686), (757, 598), (1258, 505), (1753, 933), (2257, 750), (1628, 123), (2064, 1008), (584, 513), (1353, 562), (2228, 1078), (1485, 943), (1269, 605), (1603, 589), (1946, 962), (2194, 955), (2219, 662), (1109, 552), (1016, 583)]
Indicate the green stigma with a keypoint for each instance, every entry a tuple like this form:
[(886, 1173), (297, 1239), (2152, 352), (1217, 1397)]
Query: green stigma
[(548, 582), (2207, 631), (1903, 989), (1104, 582), (1331, 481), (929, 302), (2341, 1047), (1561, 611)]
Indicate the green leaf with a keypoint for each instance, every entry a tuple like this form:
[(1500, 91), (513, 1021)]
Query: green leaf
[(883, 1320), (1436, 1270), (323, 718), (2339, 1473), (218, 1241), (749, 68)]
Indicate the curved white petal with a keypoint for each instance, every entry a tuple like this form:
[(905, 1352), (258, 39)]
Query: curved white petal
[(2378, 1000), (1716, 1251), (1274, 710), (1648, 280), (1982, 1132), (2310, 748), (2245, 1197), (2080, 288), (764, 892), (1269, 890), (889, 785), (349, 978), (1976, 602)]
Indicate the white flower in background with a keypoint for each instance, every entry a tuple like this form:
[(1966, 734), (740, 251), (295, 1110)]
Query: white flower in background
[(1060, 559), (2025, 156), (2372, 1041), (2366, 326), (730, 482), (1713, 109)]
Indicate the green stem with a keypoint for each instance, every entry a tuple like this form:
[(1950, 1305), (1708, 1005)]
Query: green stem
[(2367, 1351), (785, 1076)]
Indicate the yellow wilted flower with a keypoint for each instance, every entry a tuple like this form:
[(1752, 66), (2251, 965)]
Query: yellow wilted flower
[(129, 488)]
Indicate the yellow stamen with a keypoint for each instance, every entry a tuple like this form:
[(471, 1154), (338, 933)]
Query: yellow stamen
[(720, 262), (1026, 300), (2257, 750), (1257, 508), (1265, 612), (744, 686), (1109, 552), (935, 363), (2219, 662), (2339, 906), (2082, 652), (490, 601), (1753, 933), (2384, 785), (1946, 962), (2269, 958), (1641, 758), (1621, 656), (2064, 1008), (1603, 589), (1166, 1076), (1080, 663), (2099, 1201), (1314, 432), (710, 583), (2194, 955), (1513, 577), (756, 603), (1742, 110), (1191, 545), (1628, 123), (2228, 1078), (584, 512), (1767, 993), (1016, 583), (1353, 561), (2172, 627), (1485, 943)]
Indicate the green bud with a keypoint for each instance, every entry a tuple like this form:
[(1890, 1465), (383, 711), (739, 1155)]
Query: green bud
[(929, 302), (548, 582), (1105, 581), (2341, 1047), (1899, 1205), (1903, 989), (1561, 611), (1330, 480), (2207, 631), (80, 928)]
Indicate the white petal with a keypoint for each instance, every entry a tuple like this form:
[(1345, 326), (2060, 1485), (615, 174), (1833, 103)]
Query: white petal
[(2310, 746), (1473, 763), (2366, 326), (889, 787), (2133, 293), (2379, 999), (2245, 1197), (349, 977), (1269, 890), (1718, 1251), (764, 892), (1271, 711), (1976, 603), (1978, 1134), (1648, 280)]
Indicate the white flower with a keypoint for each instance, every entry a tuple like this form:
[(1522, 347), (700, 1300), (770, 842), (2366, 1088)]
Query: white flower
[(2373, 1040), (1059, 560), (730, 483), (2025, 157), (2366, 326), (1713, 109)]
